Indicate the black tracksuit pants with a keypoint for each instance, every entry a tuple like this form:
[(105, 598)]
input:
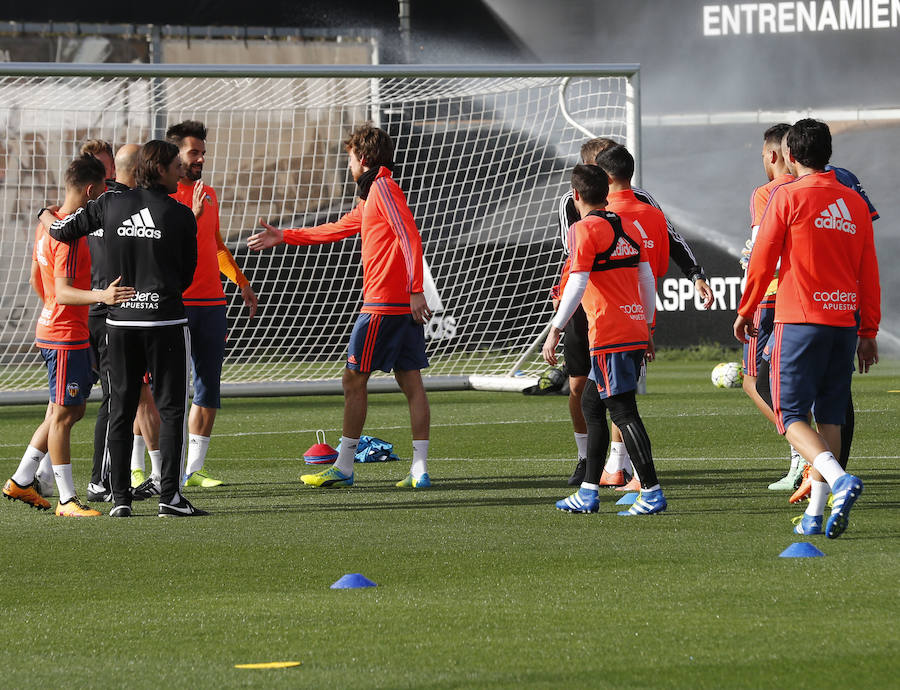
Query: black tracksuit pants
[(97, 328), (164, 351)]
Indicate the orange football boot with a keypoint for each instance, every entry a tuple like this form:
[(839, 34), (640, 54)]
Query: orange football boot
[(75, 508), (805, 487), (632, 485), (612, 479), (26, 494)]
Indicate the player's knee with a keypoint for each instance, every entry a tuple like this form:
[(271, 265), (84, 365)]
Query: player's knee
[(353, 381), (576, 385), (763, 390), (623, 409), (749, 384), (67, 415)]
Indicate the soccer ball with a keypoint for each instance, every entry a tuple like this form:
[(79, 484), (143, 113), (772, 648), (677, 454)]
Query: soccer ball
[(727, 375)]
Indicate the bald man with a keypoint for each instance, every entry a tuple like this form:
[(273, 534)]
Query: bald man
[(147, 420), (126, 159)]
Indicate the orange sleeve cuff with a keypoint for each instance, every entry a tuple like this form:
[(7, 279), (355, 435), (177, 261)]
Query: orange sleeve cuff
[(227, 265)]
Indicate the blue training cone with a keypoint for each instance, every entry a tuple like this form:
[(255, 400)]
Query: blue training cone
[(353, 581), (800, 549), (628, 499)]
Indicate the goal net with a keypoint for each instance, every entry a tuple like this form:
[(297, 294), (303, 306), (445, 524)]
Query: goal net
[(483, 155)]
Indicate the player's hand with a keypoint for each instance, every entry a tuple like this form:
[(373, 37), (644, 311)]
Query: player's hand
[(867, 354), (743, 329), (555, 302), (116, 294), (249, 298), (650, 354), (549, 349), (421, 312), (269, 237), (745, 254), (705, 292), (197, 199)]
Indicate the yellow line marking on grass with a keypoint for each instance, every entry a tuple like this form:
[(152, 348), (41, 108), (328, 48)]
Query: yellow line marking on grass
[(270, 664)]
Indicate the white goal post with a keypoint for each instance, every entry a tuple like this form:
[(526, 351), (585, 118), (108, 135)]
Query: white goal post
[(483, 154)]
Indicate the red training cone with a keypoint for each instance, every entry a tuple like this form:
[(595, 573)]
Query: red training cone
[(320, 453)]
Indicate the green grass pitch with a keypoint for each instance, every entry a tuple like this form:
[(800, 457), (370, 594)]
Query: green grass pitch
[(481, 583)]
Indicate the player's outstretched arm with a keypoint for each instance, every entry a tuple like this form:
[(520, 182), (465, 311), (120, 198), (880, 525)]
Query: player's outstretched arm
[(78, 224), (66, 293), (268, 238)]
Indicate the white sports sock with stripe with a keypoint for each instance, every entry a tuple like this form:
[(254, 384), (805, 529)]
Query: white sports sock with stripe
[(818, 497), (197, 447), (28, 466), (64, 483), (155, 463), (346, 456), (828, 467), (618, 457), (45, 470), (138, 446), (581, 445), (420, 458)]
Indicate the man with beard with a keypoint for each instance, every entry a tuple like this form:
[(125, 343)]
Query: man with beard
[(204, 300), (389, 332)]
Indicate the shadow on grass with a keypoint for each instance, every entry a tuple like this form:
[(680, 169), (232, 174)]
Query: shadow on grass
[(505, 502)]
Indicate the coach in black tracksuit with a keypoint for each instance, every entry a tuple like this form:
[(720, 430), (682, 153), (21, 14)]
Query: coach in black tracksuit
[(97, 328), (150, 240)]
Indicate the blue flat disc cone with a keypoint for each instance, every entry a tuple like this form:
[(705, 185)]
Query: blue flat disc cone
[(801, 549), (627, 499), (353, 581)]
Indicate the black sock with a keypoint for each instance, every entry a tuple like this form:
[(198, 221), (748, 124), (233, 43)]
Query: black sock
[(623, 411), (598, 432), (847, 435), (762, 383)]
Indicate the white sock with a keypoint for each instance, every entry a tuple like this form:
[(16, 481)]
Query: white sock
[(197, 447), (588, 485), (28, 466), (138, 446), (155, 463), (45, 469), (581, 444), (796, 458), (828, 467), (818, 497), (618, 457), (346, 456), (64, 483), (420, 458), (655, 487)]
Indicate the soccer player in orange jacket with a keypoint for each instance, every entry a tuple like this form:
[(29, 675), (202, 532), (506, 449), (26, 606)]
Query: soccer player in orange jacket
[(618, 164), (61, 275), (389, 332), (778, 172), (756, 365), (575, 344), (204, 300), (821, 232), (611, 278)]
